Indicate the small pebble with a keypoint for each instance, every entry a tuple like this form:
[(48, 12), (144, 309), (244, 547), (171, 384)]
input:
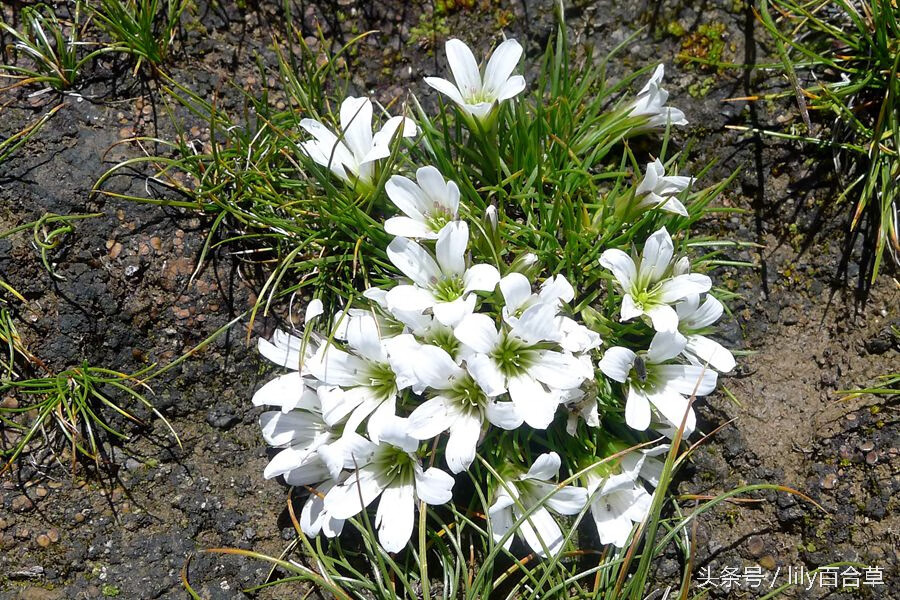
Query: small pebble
[(116, 250), (79, 518), (43, 541), (756, 546), (22, 504), (41, 492), (53, 534), (9, 402), (156, 243), (829, 481), (767, 562), (871, 458), (867, 446)]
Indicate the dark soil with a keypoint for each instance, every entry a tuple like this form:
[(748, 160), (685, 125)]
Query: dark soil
[(126, 299)]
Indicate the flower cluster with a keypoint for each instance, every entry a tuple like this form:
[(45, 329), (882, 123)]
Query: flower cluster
[(395, 398)]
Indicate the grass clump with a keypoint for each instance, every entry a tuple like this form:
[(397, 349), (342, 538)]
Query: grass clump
[(54, 49), (145, 29), (850, 54)]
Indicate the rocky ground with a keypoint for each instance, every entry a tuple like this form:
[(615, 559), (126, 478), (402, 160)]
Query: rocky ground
[(125, 298)]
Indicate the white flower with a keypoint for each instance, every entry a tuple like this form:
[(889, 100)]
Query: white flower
[(362, 384), (429, 204), (444, 285), (651, 103), (618, 500), (516, 359), (312, 451), (286, 350), (694, 320), (650, 286), (314, 519), (658, 190), (516, 495), (394, 473), (314, 309), (556, 291), (458, 405), (353, 156), (653, 382), (581, 405), (477, 95)]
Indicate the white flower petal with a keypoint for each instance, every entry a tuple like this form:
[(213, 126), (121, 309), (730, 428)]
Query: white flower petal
[(679, 287), (446, 88), (434, 486), (686, 378), (409, 228), (299, 428), (430, 418), (537, 324), (356, 123), (621, 265), (450, 248), (380, 421), (487, 374), (478, 332), (310, 472), (503, 415), (566, 500), (481, 278), (673, 205), (616, 363), (356, 493), (464, 434), (434, 367), (464, 68), (516, 289), (536, 405), (409, 298), (705, 315), (338, 403), (672, 406), (336, 367), (452, 313), (557, 290), (414, 262), (364, 338), (545, 467), (514, 86), (557, 369), (711, 351), (381, 142), (500, 517), (407, 196), (663, 317), (500, 66), (540, 530), (656, 256), (287, 391), (629, 309), (664, 346), (637, 409), (396, 515)]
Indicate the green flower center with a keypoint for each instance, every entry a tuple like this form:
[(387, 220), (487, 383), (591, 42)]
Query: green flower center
[(513, 356), (449, 289), (382, 380), (444, 339), (395, 463), (436, 220), (467, 395)]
